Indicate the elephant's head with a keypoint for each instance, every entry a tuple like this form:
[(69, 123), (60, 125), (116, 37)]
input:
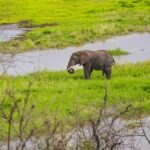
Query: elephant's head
[(77, 58)]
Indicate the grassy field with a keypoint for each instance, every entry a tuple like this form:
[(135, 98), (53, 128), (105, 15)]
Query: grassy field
[(62, 93), (72, 22)]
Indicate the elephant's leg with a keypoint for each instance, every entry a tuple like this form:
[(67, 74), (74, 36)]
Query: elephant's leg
[(91, 70), (108, 70), (87, 71)]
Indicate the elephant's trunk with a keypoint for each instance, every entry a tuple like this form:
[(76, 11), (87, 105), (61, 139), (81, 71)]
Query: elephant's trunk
[(70, 66)]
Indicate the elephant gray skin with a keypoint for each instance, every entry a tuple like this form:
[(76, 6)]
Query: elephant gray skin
[(98, 60)]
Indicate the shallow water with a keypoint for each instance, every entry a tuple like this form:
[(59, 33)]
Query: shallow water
[(135, 140), (137, 44), (9, 32)]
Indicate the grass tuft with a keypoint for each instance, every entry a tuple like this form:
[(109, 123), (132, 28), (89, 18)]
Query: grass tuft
[(118, 51)]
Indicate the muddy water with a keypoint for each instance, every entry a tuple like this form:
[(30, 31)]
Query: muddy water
[(137, 44), (8, 32)]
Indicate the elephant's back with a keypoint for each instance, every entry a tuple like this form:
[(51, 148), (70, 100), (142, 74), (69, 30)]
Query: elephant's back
[(103, 57)]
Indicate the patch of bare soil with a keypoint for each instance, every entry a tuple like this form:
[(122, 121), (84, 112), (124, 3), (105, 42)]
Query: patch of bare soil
[(29, 24)]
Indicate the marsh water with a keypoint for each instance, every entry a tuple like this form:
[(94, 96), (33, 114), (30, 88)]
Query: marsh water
[(137, 44), (11, 31), (132, 139)]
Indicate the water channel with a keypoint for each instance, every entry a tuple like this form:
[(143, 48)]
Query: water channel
[(137, 44)]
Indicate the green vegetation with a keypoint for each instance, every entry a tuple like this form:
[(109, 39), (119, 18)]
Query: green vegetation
[(64, 94), (71, 22), (117, 51)]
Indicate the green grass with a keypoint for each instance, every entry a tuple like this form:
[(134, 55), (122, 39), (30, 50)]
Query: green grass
[(79, 21), (117, 51), (64, 93)]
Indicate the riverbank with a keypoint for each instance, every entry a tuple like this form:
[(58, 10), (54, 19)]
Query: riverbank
[(64, 94), (89, 21)]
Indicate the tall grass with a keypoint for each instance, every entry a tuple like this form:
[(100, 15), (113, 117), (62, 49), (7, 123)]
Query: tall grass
[(63, 93)]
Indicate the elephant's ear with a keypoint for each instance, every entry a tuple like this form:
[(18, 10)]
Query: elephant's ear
[(84, 58)]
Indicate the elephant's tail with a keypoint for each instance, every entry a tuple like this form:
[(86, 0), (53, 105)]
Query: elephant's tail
[(113, 61)]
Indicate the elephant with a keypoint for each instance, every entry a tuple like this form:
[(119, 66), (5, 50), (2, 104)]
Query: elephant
[(92, 60)]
